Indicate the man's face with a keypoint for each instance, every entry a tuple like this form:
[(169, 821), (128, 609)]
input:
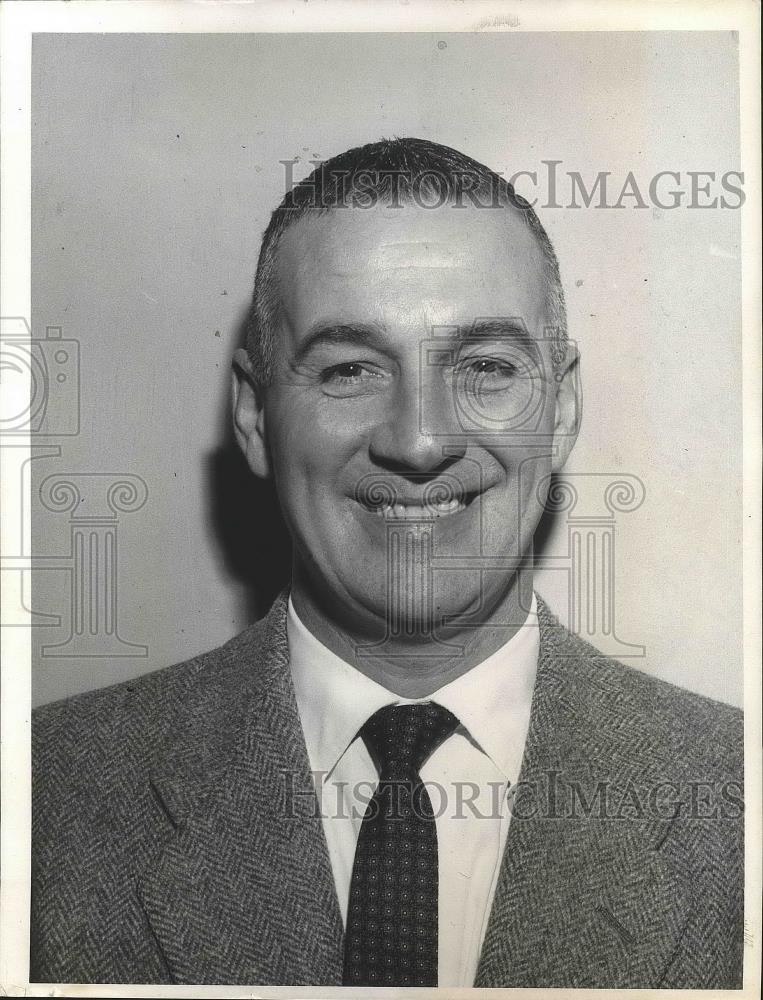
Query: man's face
[(413, 390)]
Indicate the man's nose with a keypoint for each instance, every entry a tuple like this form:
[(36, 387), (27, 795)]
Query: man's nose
[(420, 431)]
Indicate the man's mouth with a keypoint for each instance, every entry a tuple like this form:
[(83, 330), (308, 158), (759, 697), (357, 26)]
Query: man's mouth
[(436, 504)]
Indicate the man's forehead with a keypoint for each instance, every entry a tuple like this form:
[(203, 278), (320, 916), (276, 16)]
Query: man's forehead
[(427, 252), (349, 240), (409, 271)]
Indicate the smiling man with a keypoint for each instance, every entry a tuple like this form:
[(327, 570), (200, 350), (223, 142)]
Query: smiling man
[(408, 773), (357, 429)]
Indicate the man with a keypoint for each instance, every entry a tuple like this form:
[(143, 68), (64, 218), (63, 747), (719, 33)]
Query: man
[(323, 800)]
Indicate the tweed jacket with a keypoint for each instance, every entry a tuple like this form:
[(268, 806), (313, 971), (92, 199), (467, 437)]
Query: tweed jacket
[(168, 846)]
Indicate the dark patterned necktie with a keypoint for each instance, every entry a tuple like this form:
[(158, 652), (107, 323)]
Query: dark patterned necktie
[(391, 935)]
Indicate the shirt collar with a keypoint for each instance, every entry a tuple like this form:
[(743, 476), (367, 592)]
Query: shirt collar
[(492, 700)]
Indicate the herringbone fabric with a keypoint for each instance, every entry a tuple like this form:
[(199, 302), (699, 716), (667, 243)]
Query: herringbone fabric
[(391, 935), (176, 837)]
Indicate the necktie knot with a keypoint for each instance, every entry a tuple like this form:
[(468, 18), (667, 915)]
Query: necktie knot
[(401, 737)]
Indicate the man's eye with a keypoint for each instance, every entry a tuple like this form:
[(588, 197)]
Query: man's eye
[(350, 378), (491, 366), (477, 376), (350, 371), (485, 374)]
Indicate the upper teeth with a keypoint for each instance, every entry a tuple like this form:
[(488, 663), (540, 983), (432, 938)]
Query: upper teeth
[(432, 509)]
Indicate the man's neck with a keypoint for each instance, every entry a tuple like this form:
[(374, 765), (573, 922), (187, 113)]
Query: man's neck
[(416, 669)]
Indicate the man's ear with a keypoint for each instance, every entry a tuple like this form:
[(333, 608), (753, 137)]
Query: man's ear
[(569, 406), (249, 415)]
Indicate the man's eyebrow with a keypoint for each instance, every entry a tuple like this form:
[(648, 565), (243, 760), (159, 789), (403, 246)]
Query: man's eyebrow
[(511, 328), (337, 333), (370, 335)]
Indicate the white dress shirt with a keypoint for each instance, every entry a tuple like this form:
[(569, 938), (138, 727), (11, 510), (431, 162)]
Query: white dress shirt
[(467, 776)]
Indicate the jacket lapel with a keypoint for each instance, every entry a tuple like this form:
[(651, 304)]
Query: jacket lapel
[(581, 901), (242, 891)]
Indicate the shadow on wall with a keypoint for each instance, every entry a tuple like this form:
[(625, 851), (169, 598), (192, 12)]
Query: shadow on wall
[(250, 530)]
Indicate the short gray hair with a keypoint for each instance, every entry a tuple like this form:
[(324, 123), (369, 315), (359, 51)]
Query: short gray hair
[(391, 171)]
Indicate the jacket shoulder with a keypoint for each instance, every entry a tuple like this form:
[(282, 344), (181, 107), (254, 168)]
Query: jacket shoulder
[(88, 738), (645, 715), (97, 820)]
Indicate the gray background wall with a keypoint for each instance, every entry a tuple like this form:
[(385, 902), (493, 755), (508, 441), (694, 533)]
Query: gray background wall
[(155, 166)]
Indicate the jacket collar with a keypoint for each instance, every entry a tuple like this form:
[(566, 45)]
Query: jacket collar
[(243, 892)]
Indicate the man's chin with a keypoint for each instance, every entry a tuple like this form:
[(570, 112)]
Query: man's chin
[(416, 613)]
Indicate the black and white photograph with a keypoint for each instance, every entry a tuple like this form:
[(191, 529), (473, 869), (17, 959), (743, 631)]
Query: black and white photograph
[(381, 512)]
